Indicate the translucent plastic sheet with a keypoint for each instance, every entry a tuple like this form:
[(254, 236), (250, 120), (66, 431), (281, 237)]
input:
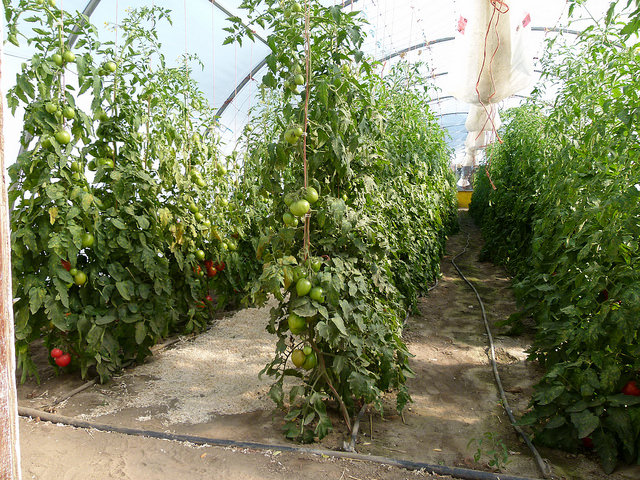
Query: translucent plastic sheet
[(493, 60)]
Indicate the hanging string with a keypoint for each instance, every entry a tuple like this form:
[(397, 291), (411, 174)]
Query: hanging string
[(307, 217), (213, 52), (62, 76), (115, 83)]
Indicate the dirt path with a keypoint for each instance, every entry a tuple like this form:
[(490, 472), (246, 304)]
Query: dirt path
[(209, 386)]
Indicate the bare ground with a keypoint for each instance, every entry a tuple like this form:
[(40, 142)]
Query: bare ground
[(209, 386)]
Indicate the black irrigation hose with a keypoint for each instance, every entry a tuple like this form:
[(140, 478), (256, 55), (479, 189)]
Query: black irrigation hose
[(542, 465), (462, 473)]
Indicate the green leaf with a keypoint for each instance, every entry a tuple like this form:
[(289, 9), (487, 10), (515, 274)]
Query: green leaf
[(126, 289), (585, 422), (36, 298), (141, 332)]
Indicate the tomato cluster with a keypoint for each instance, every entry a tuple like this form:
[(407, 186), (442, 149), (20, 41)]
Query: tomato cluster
[(61, 358)]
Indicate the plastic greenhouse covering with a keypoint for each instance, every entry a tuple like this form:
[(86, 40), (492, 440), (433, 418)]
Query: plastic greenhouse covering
[(427, 33)]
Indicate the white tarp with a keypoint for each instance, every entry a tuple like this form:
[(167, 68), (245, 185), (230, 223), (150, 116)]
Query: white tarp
[(493, 60)]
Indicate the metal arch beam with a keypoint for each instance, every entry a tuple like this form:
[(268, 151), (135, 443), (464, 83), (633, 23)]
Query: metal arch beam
[(415, 47), (448, 39), (87, 12), (228, 13), (255, 69)]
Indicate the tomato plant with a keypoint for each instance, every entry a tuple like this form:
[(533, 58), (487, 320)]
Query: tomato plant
[(380, 246), (103, 240), (564, 219)]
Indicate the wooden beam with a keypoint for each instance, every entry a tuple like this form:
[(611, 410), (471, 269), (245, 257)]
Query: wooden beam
[(9, 445)]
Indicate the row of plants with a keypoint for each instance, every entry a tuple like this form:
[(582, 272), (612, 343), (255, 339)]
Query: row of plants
[(348, 198), (564, 217), (121, 229)]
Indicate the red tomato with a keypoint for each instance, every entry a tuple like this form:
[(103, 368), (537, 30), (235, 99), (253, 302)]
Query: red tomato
[(63, 360), (200, 304), (631, 389), (56, 352), (587, 442), (209, 298), (211, 272), (65, 264), (221, 266), (208, 263)]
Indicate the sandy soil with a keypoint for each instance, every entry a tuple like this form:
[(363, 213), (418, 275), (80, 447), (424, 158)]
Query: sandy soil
[(209, 386)]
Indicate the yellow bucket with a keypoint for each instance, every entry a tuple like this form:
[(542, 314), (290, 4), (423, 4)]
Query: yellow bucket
[(464, 198)]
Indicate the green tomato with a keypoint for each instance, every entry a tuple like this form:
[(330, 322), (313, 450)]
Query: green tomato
[(193, 208), (288, 219), (200, 255), (296, 7), (57, 59), (300, 208), (69, 113), (63, 137), (316, 264), (221, 170), (298, 273), (224, 246), (311, 195), (75, 166), (303, 287), (344, 197), (46, 142), (68, 56), (100, 115), (108, 163), (298, 131), (289, 198), (92, 166), (307, 350), (206, 223), (110, 67), (52, 3), (199, 216), (73, 272), (290, 137), (87, 240), (298, 79), (224, 202), (51, 107), (310, 362), (296, 323), (80, 278), (298, 357), (200, 182), (317, 294)]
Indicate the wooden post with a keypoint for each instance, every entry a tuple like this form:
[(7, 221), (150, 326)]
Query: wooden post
[(9, 445)]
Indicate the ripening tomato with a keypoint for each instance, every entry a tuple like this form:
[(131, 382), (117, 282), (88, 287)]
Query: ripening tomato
[(63, 360), (298, 357), (65, 264), (211, 272), (631, 389)]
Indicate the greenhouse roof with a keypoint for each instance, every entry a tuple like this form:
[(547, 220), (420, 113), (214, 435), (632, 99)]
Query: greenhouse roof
[(413, 30)]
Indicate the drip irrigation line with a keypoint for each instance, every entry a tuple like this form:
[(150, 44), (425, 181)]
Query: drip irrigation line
[(462, 473), (542, 465)]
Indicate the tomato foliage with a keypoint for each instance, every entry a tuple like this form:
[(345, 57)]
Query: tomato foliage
[(118, 199), (565, 218), (386, 199)]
